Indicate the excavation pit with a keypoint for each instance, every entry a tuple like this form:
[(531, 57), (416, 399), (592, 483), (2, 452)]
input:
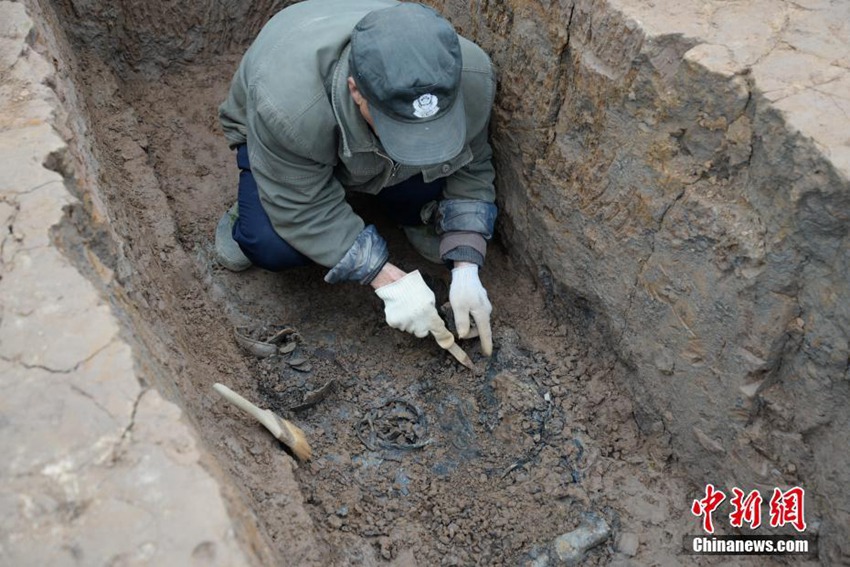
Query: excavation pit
[(475, 468), (513, 456)]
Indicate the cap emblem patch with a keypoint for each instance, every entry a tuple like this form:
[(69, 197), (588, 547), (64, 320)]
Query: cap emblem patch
[(425, 106)]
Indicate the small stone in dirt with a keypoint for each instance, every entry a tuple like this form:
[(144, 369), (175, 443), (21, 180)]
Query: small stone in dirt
[(305, 367), (234, 446), (571, 547), (334, 522), (401, 483), (627, 543), (342, 511), (538, 557), (296, 361), (386, 547)]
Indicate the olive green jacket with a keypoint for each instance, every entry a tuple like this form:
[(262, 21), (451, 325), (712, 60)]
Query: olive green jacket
[(308, 143)]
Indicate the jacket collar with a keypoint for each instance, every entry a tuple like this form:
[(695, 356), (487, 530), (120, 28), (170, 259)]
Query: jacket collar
[(356, 134)]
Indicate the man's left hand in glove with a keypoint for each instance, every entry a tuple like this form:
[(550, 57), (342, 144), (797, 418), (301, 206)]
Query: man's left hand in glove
[(469, 300)]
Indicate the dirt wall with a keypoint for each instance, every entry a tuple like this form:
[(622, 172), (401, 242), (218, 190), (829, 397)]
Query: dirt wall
[(95, 237), (150, 36), (658, 165)]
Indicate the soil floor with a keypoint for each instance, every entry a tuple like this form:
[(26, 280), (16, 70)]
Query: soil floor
[(417, 460)]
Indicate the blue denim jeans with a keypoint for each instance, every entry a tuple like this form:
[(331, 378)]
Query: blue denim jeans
[(254, 233)]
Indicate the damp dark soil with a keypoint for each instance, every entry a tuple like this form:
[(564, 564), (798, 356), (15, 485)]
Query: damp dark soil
[(417, 460)]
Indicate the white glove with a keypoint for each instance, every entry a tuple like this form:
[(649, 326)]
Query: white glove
[(468, 297), (409, 305)]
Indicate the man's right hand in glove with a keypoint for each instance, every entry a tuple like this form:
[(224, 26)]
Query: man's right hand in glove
[(409, 303)]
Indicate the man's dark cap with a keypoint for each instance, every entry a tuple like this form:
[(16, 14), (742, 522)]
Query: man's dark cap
[(406, 62)]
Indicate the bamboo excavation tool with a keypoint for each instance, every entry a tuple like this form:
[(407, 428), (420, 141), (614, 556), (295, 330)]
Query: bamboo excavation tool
[(446, 340), (284, 430)]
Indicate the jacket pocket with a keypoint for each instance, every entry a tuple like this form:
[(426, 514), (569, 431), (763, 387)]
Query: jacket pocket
[(447, 168)]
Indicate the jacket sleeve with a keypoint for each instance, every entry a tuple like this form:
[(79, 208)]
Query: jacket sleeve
[(466, 216), (231, 112), (306, 204)]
